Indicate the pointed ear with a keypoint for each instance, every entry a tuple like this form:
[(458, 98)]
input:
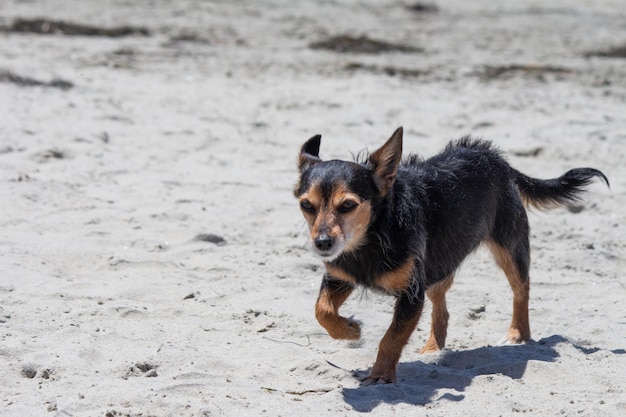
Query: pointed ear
[(309, 153), (385, 162)]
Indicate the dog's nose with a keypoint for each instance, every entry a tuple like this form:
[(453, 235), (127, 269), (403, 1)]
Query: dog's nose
[(324, 243)]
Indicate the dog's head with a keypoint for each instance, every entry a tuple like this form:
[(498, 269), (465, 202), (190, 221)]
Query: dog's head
[(337, 197)]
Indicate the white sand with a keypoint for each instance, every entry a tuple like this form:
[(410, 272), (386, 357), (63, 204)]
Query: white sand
[(109, 307)]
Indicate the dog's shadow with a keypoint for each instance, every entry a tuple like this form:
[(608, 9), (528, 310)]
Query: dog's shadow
[(420, 383)]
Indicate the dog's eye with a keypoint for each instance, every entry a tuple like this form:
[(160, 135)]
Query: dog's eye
[(347, 206), (306, 205)]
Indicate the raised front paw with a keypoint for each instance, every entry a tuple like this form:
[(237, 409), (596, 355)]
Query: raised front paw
[(343, 328), (349, 329)]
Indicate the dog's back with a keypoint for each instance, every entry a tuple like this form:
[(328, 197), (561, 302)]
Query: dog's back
[(467, 194), (470, 194)]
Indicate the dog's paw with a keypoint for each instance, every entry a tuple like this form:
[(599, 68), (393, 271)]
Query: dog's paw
[(514, 337), (383, 372), (379, 379), (426, 350), (430, 347), (343, 328), (352, 329)]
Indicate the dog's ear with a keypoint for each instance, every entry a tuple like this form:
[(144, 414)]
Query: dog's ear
[(309, 153), (385, 161)]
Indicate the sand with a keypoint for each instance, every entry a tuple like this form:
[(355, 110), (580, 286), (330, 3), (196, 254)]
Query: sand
[(153, 260)]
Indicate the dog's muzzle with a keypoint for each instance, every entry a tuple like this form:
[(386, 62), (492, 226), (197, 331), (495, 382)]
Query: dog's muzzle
[(327, 247), (324, 243)]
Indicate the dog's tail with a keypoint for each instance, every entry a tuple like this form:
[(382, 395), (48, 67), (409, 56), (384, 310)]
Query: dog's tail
[(561, 191)]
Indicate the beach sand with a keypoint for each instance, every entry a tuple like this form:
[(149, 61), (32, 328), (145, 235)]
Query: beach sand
[(153, 260)]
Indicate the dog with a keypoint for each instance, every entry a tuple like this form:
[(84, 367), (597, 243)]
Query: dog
[(404, 227)]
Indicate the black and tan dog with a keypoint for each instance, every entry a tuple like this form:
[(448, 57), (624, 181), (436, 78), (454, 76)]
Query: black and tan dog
[(404, 227)]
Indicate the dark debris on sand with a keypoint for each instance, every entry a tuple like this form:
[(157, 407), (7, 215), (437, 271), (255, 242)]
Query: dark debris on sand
[(614, 52), (23, 81), (386, 70), (420, 7), (211, 238), (361, 45), (59, 27), (533, 71)]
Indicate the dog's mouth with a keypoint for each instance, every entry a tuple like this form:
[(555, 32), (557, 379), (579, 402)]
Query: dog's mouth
[(328, 256)]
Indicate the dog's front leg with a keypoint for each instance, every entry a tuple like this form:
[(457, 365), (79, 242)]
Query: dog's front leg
[(332, 295), (406, 315)]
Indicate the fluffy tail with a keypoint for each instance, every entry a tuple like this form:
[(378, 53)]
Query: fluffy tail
[(562, 191)]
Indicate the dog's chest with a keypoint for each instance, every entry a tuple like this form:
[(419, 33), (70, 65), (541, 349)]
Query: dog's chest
[(392, 281)]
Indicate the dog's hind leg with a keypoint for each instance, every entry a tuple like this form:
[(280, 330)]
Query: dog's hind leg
[(439, 318), (333, 294), (515, 267)]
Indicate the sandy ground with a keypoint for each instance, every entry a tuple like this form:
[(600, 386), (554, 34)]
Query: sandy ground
[(153, 261)]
